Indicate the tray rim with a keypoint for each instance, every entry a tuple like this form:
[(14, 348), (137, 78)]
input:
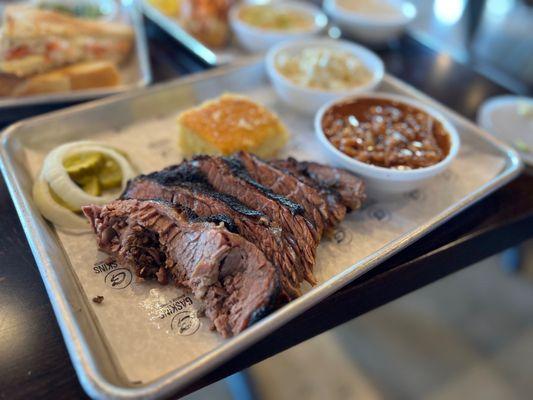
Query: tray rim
[(91, 378), (141, 46)]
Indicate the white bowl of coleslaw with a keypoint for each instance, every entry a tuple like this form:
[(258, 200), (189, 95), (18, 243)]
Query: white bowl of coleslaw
[(307, 74)]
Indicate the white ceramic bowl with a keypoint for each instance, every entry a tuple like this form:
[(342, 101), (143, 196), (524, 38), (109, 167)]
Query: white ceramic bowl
[(309, 100), (258, 40), (368, 27), (381, 180)]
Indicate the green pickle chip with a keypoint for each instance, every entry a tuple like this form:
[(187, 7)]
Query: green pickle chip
[(110, 176), (93, 187), (93, 172), (82, 164)]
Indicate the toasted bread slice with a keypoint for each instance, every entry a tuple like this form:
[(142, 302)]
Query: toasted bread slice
[(89, 75), (51, 82), (229, 124)]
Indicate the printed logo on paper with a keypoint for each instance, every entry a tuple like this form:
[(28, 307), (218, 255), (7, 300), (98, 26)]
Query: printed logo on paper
[(342, 236), (174, 306), (447, 175), (105, 267), (185, 323), (379, 214), (416, 195), (183, 316), (115, 277), (119, 278)]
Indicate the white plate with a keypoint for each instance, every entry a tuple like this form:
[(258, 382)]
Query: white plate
[(500, 116), (135, 71)]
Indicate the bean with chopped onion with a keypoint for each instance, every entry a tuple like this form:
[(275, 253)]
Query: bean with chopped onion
[(386, 133)]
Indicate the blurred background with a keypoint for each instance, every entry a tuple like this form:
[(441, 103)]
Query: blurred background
[(467, 336), (495, 37)]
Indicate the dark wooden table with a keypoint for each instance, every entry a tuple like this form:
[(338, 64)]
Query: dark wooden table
[(33, 359)]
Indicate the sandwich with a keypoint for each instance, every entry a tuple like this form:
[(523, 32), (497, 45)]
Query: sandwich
[(34, 40)]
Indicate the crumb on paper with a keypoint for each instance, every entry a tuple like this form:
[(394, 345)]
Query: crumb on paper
[(98, 299)]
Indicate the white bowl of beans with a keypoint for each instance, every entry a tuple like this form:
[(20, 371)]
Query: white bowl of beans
[(394, 142)]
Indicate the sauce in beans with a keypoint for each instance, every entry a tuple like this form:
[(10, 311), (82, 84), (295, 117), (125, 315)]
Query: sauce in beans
[(386, 133)]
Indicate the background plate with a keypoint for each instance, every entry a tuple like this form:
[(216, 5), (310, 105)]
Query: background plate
[(135, 71)]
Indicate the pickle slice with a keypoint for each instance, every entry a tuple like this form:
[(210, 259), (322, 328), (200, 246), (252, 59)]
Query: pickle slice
[(93, 172), (92, 186), (80, 165), (83, 180), (110, 175)]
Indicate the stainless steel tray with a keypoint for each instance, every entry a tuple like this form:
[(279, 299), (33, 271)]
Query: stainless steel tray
[(172, 26), (135, 72), (383, 227)]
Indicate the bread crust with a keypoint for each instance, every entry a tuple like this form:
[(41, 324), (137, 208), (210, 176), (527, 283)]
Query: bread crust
[(83, 76), (229, 124)]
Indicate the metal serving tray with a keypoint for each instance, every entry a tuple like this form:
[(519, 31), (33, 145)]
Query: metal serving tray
[(214, 57), (167, 345), (135, 72)]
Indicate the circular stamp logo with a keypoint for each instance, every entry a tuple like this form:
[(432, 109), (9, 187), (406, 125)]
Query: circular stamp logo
[(185, 323), (415, 195), (119, 278), (447, 175), (342, 236), (379, 214)]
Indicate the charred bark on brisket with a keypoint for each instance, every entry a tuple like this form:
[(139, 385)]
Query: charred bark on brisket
[(252, 225)]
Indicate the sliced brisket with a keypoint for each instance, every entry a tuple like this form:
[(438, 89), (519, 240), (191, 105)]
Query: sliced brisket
[(156, 239), (315, 207), (348, 188), (253, 225), (230, 177)]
